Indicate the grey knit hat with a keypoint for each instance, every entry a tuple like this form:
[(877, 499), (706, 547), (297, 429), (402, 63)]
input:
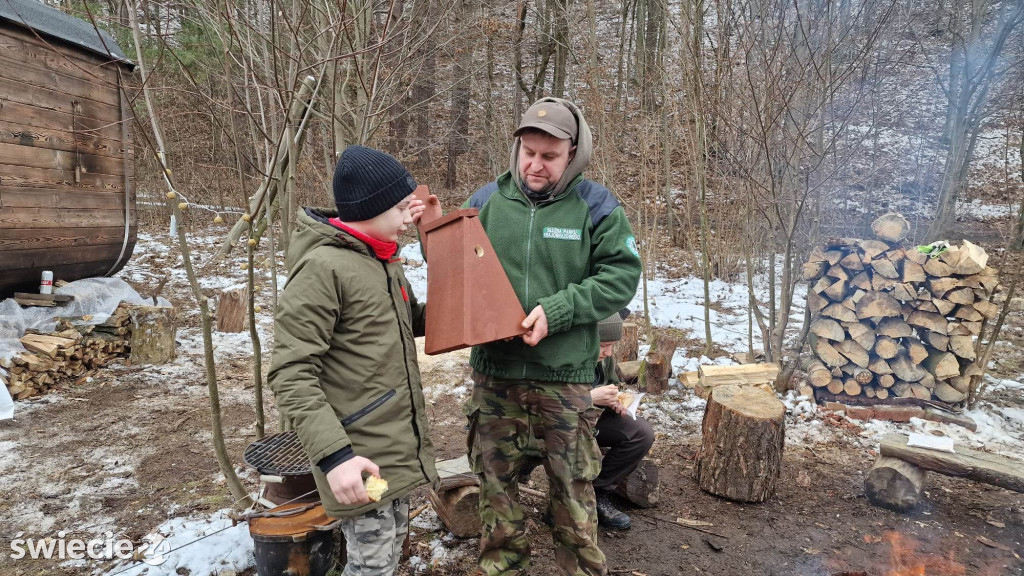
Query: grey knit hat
[(610, 329), (369, 182)]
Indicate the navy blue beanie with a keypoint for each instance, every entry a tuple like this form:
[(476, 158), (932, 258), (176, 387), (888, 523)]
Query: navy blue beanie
[(369, 182)]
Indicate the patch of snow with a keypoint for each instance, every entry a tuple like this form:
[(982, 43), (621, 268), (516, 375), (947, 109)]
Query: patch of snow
[(198, 547)]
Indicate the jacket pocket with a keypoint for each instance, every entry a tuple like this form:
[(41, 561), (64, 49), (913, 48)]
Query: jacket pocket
[(377, 403), (472, 411), (588, 453)]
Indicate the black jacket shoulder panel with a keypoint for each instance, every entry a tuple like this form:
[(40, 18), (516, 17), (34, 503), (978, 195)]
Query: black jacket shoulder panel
[(481, 196), (599, 200)]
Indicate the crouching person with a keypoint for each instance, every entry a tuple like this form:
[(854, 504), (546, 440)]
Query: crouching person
[(344, 368), (626, 439)]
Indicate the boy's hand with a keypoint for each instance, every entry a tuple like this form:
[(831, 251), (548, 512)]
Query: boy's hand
[(346, 480), (537, 324), (608, 396), (416, 209)]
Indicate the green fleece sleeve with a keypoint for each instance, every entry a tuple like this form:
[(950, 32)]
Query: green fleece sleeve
[(614, 275), (308, 310)]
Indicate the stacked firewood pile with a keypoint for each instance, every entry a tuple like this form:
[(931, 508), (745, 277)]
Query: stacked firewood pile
[(891, 320), (68, 355)]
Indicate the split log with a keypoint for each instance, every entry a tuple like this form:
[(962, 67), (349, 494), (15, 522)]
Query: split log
[(861, 334), (916, 351), (937, 341), (232, 310), (894, 328), (822, 283), (818, 374), (880, 367), (904, 292), (947, 393), (816, 303), (920, 392), (890, 227), (905, 370), (828, 328), (153, 332), (987, 308), (894, 484), (629, 372), (943, 306), (862, 281), (837, 290), (854, 351), (961, 296), (913, 272), (885, 268), (826, 352), (877, 305), (916, 256), (873, 247), (740, 375), (902, 389), (966, 463), (642, 486), (962, 346), (928, 320), (973, 259), (886, 347), (937, 268), (743, 433), (939, 285), (880, 283), (814, 270), (852, 261), (969, 313), (458, 510), (839, 312)]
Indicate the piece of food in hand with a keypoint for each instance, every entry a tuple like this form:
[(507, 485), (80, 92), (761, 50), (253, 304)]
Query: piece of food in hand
[(625, 398), (375, 488)]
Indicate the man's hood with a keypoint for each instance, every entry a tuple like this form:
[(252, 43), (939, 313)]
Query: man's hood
[(312, 230), (584, 147)]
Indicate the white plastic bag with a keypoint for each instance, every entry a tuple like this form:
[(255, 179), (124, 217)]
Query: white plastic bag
[(6, 404)]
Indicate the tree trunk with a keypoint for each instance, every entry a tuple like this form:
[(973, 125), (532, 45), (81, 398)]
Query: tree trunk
[(894, 484), (741, 449)]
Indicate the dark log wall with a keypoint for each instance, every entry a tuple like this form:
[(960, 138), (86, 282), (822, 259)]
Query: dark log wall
[(65, 162)]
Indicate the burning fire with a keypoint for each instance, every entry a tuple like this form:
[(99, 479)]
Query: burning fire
[(906, 561)]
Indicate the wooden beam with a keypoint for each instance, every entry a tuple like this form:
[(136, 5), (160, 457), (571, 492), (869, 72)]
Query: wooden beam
[(966, 463)]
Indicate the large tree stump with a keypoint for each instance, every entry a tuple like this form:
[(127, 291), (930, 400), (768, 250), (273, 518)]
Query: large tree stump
[(231, 310), (894, 484), (642, 486), (741, 450), (458, 509), (153, 332), (627, 349)]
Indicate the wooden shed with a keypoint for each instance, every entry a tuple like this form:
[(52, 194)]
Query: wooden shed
[(67, 202)]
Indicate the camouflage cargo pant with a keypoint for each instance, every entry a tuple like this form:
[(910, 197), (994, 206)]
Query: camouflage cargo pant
[(374, 540), (508, 420)]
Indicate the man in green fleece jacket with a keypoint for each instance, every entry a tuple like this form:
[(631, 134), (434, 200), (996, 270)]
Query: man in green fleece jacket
[(571, 256), (344, 369)]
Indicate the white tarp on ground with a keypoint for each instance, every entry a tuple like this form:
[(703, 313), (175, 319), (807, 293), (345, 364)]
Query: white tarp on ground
[(96, 297)]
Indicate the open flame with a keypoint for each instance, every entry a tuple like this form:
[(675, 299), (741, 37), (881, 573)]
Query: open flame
[(907, 561)]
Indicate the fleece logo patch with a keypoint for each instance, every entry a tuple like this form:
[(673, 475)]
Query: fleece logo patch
[(563, 233), (631, 244)]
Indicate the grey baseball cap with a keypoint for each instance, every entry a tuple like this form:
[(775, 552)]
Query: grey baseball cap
[(551, 117)]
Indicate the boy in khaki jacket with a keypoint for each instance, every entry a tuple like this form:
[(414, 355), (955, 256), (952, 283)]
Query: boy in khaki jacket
[(344, 368)]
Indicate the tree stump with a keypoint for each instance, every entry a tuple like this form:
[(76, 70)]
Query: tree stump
[(642, 486), (627, 349), (231, 310), (894, 484), (658, 366), (458, 509), (153, 332), (741, 448)]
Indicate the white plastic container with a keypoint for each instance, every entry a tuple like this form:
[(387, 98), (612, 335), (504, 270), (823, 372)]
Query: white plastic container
[(46, 282)]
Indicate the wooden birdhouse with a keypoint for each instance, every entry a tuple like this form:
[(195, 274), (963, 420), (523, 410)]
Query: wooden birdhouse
[(470, 300)]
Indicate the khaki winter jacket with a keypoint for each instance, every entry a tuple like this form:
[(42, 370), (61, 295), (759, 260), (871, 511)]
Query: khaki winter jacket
[(344, 368)]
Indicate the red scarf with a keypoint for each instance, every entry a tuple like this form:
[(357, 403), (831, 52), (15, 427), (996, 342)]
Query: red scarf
[(383, 250)]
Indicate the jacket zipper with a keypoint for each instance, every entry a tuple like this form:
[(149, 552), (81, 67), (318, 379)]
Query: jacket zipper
[(408, 376), (368, 408), (529, 244)]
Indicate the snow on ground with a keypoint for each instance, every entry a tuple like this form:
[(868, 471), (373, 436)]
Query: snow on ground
[(203, 546)]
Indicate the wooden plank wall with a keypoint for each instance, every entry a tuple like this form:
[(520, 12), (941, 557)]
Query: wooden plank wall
[(65, 161)]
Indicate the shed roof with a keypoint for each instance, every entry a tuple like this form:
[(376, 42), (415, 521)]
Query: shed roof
[(52, 22)]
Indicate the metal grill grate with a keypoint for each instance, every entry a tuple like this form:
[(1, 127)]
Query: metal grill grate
[(280, 455)]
